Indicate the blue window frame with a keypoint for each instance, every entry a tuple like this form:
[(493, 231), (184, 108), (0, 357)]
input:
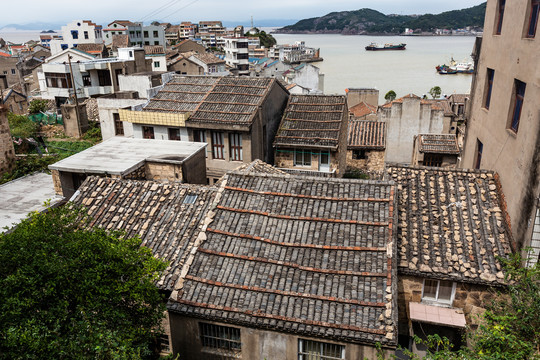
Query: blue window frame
[(518, 104)]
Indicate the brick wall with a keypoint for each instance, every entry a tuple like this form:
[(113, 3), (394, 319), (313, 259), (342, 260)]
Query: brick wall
[(7, 152), (373, 164), (56, 182)]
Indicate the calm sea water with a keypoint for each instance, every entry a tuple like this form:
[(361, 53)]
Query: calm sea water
[(347, 64)]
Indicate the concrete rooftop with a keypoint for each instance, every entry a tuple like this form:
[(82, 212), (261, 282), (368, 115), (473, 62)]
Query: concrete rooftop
[(24, 195), (120, 155)]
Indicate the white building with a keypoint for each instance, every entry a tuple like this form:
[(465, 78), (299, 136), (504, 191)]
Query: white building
[(154, 35), (124, 27), (237, 54), (77, 32)]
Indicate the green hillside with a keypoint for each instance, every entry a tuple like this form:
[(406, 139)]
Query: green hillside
[(368, 21)]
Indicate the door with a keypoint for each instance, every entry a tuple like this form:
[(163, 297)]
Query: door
[(324, 161)]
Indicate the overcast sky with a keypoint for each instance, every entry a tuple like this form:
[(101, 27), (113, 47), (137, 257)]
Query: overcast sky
[(174, 11)]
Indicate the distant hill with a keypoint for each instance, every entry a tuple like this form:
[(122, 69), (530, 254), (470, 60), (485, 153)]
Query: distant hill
[(368, 21), (31, 26)]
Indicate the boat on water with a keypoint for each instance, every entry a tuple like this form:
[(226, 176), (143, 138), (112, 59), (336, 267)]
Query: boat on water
[(375, 46), (455, 68)]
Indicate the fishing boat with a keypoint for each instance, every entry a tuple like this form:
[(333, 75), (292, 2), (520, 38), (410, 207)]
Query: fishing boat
[(455, 68), (375, 47)]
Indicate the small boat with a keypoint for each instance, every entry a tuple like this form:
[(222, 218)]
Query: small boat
[(455, 68), (375, 47), (447, 72)]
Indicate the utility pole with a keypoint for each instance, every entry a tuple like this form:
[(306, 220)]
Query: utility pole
[(75, 95)]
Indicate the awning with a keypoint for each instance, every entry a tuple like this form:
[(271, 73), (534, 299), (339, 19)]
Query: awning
[(437, 315)]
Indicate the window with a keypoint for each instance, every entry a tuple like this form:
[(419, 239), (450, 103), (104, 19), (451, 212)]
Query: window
[(217, 145), (438, 291), (302, 158), (316, 350), (490, 75), (148, 132), (86, 80), (156, 34), (479, 149), (156, 64), (12, 71), (86, 34), (145, 34), (500, 15), (118, 125), (519, 94), (433, 160), (147, 43), (174, 134), (58, 80), (132, 33), (533, 18), (130, 54), (104, 77), (220, 337), (190, 199), (74, 34), (199, 136), (359, 154), (235, 143), (156, 42)]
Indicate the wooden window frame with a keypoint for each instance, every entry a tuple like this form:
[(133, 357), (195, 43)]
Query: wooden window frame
[(174, 136), (434, 160), (532, 24), (118, 125), (490, 77), (501, 4), (303, 162), (436, 299), (218, 145), (517, 105), (235, 147), (215, 336), (148, 132)]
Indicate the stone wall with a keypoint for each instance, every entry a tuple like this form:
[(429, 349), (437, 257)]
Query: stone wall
[(7, 151), (158, 171), (284, 158), (472, 298), (374, 164), (56, 182)]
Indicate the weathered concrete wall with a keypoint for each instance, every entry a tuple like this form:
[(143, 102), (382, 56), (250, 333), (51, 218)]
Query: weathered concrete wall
[(72, 127), (160, 132), (7, 151), (256, 344), (107, 107), (356, 96), (514, 156), (373, 164), (194, 168)]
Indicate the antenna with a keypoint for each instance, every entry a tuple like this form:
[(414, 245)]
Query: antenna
[(252, 21)]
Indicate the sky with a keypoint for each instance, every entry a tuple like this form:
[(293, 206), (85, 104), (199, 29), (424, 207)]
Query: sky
[(174, 11)]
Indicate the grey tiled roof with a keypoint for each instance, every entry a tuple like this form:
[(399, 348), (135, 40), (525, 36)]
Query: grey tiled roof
[(451, 224), (154, 211), (312, 120), (438, 143), (367, 134), (259, 167), (303, 255)]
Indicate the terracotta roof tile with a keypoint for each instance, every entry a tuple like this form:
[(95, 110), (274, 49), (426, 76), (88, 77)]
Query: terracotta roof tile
[(91, 48), (451, 224), (363, 109), (367, 134), (301, 255), (438, 143), (312, 120)]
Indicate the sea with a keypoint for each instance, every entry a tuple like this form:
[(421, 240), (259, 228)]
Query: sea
[(347, 64)]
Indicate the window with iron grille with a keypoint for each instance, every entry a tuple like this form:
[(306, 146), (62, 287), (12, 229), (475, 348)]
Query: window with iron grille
[(148, 132), (218, 148), (533, 18), (490, 75), (302, 158), (433, 160), (500, 16), (235, 144), (359, 154), (316, 350), (118, 125), (174, 134), (220, 337), (519, 95)]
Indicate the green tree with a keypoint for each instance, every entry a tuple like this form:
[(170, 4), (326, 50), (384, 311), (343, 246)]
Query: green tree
[(390, 96), (21, 126), (73, 292), (37, 106), (435, 92)]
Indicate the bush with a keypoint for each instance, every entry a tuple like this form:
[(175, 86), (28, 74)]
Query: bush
[(28, 165), (93, 134), (37, 106), (21, 126)]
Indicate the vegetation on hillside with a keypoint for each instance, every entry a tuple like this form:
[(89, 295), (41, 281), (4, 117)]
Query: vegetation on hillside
[(266, 40), (368, 21)]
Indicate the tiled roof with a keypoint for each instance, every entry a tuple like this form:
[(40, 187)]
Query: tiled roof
[(259, 167), (120, 41), (363, 109), (302, 255), (89, 22), (122, 22), (312, 120), (458, 98), (206, 58), (182, 94), (91, 48), (450, 224), (438, 143), (367, 134), (154, 211), (154, 49)]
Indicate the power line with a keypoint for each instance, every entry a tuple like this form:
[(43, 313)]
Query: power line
[(183, 7), (160, 9)]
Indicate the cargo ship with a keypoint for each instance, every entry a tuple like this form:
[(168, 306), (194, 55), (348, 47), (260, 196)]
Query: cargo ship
[(375, 47)]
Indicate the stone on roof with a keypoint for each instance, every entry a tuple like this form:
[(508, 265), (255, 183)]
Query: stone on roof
[(451, 224), (438, 143), (365, 134), (157, 212), (312, 121), (120, 41), (154, 50), (206, 58), (363, 109), (259, 167), (301, 255)]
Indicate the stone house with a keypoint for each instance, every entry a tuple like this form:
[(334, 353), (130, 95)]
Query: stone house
[(438, 150), (451, 229), (208, 62), (503, 129), (312, 136), (188, 46), (182, 65), (237, 117), (136, 159), (407, 117), (16, 102), (7, 151), (9, 75), (269, 278), (366, 146)]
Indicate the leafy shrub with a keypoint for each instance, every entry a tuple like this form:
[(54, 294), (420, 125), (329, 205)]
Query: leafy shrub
[(21, 126), (37, 106)]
